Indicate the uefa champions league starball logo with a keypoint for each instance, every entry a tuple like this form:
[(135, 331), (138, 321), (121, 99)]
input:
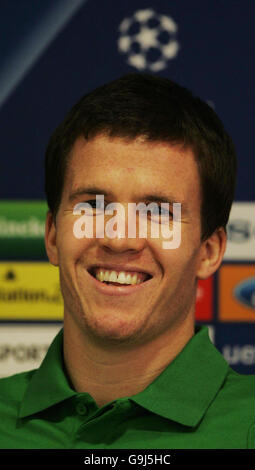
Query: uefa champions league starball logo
[(148, 39)]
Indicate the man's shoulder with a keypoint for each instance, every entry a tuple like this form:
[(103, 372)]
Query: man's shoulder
[(13, 387)]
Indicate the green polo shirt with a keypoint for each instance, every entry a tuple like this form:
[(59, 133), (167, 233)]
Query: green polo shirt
[(197, 402)]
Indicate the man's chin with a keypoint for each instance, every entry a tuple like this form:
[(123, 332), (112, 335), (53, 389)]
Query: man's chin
[(118, 333)]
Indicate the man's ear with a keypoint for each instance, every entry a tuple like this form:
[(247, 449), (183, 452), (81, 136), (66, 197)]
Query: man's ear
[(50, 239), (212, 252)]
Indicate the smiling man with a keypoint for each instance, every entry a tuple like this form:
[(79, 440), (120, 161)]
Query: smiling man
[(128, 334), (130, 369)]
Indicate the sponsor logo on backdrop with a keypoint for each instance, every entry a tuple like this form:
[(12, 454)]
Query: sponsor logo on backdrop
[(22, 229), (237, 293), (30, 291), (23, 347), (148, 40), (204, 300), (241, 232), (245, 292), (236, 354)]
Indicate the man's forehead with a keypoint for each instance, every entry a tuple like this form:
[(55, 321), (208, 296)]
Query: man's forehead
[(130, 154), (99, 161), (102, 140)]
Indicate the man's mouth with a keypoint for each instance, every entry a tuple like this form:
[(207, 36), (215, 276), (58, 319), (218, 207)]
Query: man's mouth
[(117, 278)]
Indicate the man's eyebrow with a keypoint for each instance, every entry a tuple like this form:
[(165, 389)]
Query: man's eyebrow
[(155, 197), (88, 190)]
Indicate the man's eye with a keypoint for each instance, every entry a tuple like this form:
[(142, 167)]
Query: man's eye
[(95, 204), (161, 212)]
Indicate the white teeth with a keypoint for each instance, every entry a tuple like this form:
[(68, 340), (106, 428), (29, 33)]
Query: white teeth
[(134, 279), (113, 276), (122, 278)]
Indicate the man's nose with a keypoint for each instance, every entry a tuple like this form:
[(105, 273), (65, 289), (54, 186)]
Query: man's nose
[(119, 231)]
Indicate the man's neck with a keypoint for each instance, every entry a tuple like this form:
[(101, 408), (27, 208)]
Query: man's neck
[(108, 374)]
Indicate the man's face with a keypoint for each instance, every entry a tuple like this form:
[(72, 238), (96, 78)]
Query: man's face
[(128, 171)]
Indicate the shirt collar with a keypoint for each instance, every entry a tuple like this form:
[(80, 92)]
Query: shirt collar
[(49, 384), (182, 392), (185, 389)]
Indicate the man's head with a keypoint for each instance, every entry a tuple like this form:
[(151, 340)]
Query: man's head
[(136, 138), (162, 111)]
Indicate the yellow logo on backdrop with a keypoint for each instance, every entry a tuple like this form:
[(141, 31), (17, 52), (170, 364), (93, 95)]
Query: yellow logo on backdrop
[(30, 291)]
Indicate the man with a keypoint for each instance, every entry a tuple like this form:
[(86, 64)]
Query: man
[(130, 368)]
